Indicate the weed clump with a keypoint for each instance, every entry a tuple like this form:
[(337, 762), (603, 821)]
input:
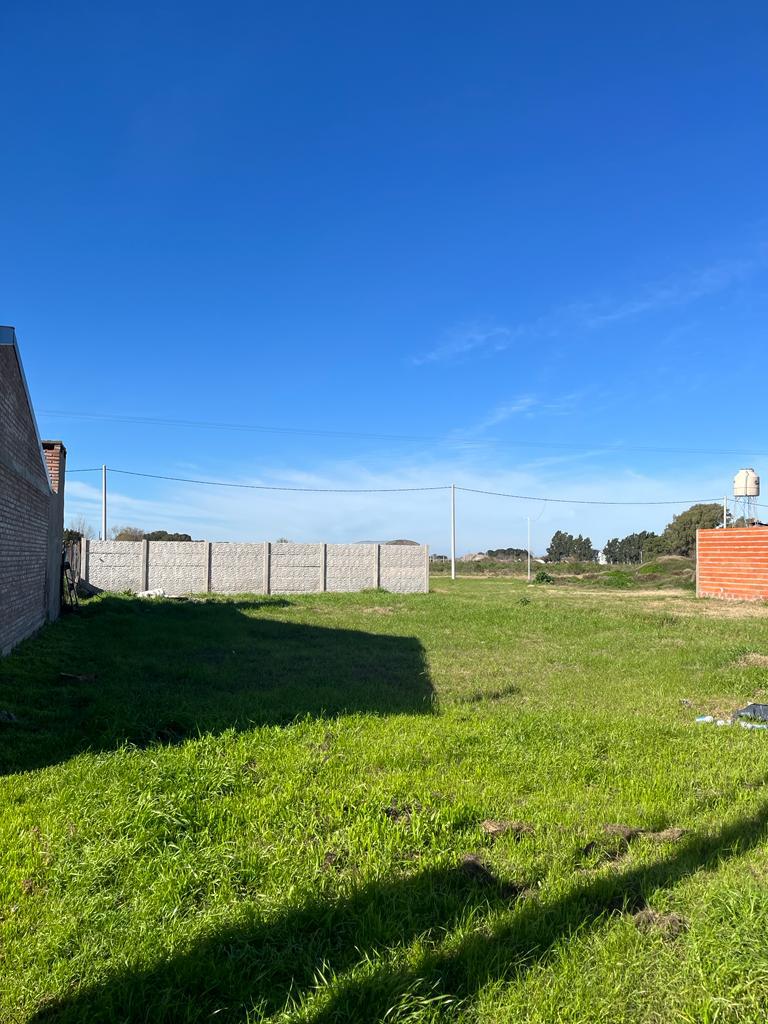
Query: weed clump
[(617, 578)]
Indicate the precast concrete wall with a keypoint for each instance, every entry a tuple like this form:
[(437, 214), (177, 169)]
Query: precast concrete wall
[(191, 567)]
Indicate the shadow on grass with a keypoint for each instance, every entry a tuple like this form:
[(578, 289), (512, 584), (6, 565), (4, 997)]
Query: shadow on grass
[(162, 671), (258, 967)]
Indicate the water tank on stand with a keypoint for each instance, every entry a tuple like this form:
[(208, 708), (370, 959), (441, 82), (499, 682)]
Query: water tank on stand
[(746, 491)]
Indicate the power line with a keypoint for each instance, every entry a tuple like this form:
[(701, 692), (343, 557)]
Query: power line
[(456, 439), (253, 427), (586, 501), (267, 487), (388, 490)]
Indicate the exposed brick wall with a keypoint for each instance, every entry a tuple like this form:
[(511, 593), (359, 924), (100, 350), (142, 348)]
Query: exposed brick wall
[(23, 558), (30, 513), (732, 563), (55, 459)]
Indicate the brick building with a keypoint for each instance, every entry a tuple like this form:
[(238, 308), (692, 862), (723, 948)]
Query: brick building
[(31, 507)]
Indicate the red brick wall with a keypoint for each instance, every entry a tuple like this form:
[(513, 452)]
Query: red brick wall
[(732, 563), (55, 457)]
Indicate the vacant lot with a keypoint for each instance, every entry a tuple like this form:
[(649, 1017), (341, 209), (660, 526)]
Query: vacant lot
[(272, 809)]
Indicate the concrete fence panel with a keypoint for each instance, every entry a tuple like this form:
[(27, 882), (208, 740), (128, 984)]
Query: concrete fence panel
[(237, 569), (114, 564), (732, 563), (179, 567), (351, 567), (296, 569), (404, 568)]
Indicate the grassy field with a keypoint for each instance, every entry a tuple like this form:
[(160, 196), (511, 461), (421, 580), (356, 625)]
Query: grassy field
[(668, 571), (272, 810)]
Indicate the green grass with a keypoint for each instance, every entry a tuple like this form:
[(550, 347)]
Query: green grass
[(668, 572), (257, 809)]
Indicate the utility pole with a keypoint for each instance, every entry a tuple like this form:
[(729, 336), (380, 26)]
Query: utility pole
[(725, 511), (103, 502), (453, 531), (529, 549)]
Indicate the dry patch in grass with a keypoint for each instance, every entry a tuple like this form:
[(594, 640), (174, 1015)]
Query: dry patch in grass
[(690, 607), (518, 829), (669, 926), (753, 660)]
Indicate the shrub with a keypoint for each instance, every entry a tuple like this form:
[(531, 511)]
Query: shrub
[(542, 576), (649, 569), (617, 578)]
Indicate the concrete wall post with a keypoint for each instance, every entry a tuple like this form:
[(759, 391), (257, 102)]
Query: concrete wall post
[(145, 565), (208, 566)]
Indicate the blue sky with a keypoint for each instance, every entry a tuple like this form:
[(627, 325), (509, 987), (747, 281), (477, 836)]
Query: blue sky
[(516, 246)]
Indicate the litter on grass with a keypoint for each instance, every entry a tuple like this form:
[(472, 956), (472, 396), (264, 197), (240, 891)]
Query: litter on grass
[(753, 716), (759, 711)]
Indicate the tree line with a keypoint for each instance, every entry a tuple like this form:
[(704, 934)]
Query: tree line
[(677, 538), (80, 527)]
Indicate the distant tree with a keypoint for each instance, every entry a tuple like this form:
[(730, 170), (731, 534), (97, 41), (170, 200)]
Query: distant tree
[(561, 546), (564, 547), (632, 548), (164, 535), (78, 527), (127, 533), (639, 546), (507, 554), (136, 533), (654, 547), (583, 550), (679, 537), (612, 551)]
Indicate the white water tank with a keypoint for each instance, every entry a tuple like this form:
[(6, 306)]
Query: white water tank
[(746, 484)]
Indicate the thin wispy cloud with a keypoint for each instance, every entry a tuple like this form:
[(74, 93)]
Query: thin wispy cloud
[(525, 404), (674, 291), (525, 407), (679, 292), (466, 339)]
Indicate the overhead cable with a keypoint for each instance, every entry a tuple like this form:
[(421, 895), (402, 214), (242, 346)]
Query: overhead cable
[(389, 490), (588, 501)]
